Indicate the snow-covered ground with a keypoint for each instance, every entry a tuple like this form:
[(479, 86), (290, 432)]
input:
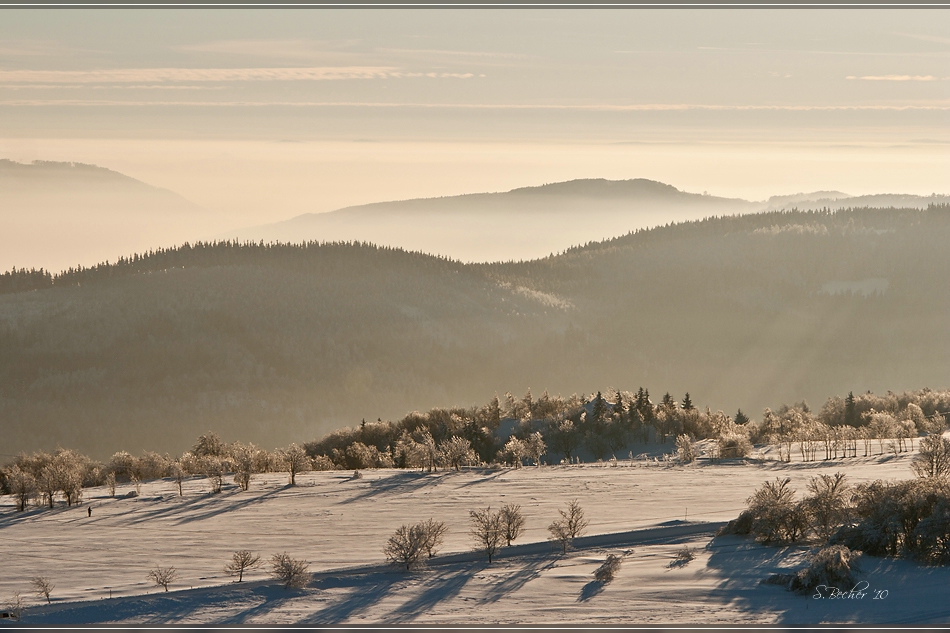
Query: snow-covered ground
[(340, 525)]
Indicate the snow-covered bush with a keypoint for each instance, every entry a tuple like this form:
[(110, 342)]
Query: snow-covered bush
[(833, 566), (684, 448)]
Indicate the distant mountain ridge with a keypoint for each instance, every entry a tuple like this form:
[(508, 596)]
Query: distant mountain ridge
[(56, 215)]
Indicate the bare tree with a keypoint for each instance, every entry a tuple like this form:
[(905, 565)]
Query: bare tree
[(214, 469), (291, 572), (933, 458), (486, 531), (15, 606), (42, 586), (242, 561), (177, 472), (512, 522), (560, 535), (163, 576), (294, 459), (574, 519), (571, 525), (434, 533), (406, 547), (110, 483)]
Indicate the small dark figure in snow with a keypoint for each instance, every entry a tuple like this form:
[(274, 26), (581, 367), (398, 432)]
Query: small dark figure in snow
[(89, 510)]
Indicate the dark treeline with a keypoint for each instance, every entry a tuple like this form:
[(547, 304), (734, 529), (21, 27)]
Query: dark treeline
[(200, 254)]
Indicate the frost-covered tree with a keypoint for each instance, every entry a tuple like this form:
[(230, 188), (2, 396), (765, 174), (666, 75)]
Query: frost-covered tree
[(486, 531), (512, 522), (828, 505), (22, 486), (429, 451), (534, 447), (244, 457), (110, 483), (49, 483), (514, 451), (456, 452), (294, 460), (292, 573), (242, 561), (565, 438), (209, 445), (214, 468), (933, 458)]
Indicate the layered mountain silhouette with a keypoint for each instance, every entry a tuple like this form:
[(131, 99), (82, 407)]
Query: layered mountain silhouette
[(521, 224), (55, 215), (281, 343)]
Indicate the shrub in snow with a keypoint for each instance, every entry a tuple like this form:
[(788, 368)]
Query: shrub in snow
[(901, 518), (606, 572), (409, 545), (322, 462), (828, 507), (684, 448), (833, 566), (683, 556), (734, 445), (290, 572), (773, 515)]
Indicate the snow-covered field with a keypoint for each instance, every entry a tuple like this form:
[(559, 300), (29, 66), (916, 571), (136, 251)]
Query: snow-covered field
[(99, 563)]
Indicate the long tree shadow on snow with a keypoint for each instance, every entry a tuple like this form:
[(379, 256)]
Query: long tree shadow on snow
[(533, 567), (202, 507), (367, 590), (441, 587), (401, 483)]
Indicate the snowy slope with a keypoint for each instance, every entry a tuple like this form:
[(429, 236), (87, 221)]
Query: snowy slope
[(340, 525)]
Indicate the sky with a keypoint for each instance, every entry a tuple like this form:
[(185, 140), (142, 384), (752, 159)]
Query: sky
[(262, 115)]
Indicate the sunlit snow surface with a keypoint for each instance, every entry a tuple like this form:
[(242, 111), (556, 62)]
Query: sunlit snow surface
[(340, 525)]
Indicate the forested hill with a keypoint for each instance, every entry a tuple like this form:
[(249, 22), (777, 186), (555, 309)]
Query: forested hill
[(272, 344)]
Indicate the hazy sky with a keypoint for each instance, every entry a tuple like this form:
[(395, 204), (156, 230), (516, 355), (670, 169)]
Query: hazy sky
[(265, 114)]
